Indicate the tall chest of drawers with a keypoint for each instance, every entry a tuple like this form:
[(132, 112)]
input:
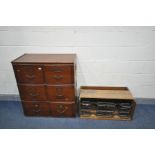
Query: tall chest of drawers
[(47, 84)]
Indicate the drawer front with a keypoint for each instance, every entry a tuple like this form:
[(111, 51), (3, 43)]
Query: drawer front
[(59, 74), (36, 108), (62, 109), (29, 74), (61, 93), (32, 93)]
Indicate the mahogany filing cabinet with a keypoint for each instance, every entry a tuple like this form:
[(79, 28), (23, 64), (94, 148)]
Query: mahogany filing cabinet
[(47, 84)]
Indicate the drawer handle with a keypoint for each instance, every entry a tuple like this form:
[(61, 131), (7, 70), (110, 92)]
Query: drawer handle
[(58, 77), (36, 110), (33, 94), (36, 105), (30, 76), (56, 70), (61, 109), (60, 96)]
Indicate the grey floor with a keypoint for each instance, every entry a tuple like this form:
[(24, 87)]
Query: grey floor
[(11, 117)]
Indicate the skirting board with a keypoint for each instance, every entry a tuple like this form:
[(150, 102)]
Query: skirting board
[(9, 97), (15, 97)]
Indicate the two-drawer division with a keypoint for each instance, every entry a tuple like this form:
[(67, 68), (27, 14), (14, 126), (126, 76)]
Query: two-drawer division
[(47, 84)]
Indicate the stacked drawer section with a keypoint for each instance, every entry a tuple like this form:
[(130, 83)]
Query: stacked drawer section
[(46, 89), (60, 89)]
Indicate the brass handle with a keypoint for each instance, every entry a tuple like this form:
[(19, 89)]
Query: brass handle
[(57, 70), (59, 93), (60, 96), (36, 105), (33, 94), (36, 110), (61, 109), (58, 77), (30, 76)]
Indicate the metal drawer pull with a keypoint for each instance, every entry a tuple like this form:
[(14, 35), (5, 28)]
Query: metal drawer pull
[(33, 94), (61, 109), (56, 70), (58, 77), (36, 110), (60, 96), (30, 76), (36, 105)]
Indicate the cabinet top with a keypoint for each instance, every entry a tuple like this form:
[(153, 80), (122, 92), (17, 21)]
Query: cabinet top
[(46, 58), (106, 92)]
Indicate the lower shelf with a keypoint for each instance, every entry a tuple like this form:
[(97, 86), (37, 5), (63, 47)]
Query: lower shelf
[(107, 110)]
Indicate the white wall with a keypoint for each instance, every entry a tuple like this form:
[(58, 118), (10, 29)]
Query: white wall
[(109, 56)]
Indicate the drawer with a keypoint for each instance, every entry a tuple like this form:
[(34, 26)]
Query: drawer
[(59, 74), (61, 93), (36, 108), (62, 109), (29, 74), (32, 93)]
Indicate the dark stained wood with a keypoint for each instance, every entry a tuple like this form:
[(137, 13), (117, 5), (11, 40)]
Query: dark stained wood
[(59, 74), (46, 58), (62, 109), (45, 80), (32, 92), (36, 108), (29, 74), (61, 93)]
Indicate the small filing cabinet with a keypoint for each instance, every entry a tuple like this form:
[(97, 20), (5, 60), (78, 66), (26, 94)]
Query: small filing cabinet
[(47, 84)]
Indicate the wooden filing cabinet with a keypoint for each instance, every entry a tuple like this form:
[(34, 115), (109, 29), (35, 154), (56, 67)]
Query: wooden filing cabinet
[(47, 84)]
